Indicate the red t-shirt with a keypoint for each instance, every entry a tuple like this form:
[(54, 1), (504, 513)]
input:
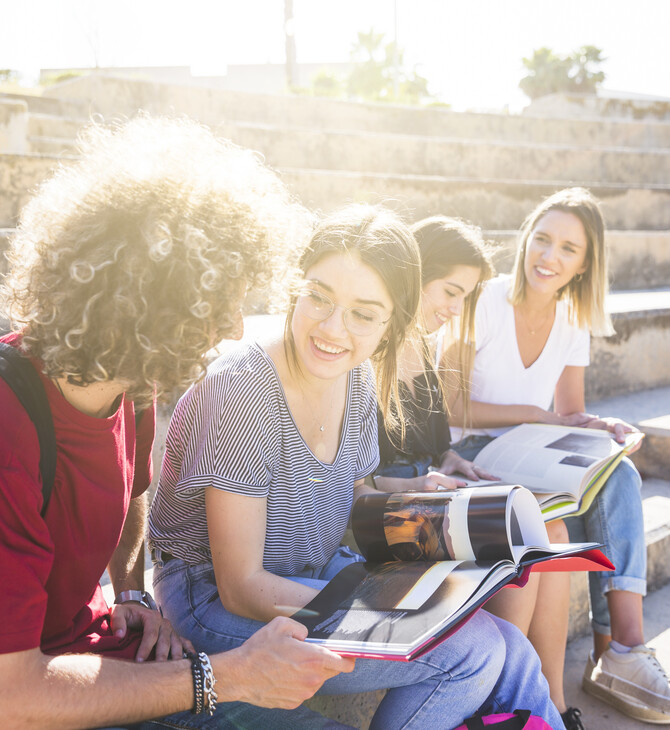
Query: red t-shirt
[(50, 567)]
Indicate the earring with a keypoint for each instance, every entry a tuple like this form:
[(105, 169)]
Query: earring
[(579, 277)]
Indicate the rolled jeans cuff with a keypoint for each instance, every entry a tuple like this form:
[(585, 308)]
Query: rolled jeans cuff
[(615, 583)]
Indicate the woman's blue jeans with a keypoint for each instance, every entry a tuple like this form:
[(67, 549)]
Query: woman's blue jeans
[(417, 468), (615, 520), (486, 664)]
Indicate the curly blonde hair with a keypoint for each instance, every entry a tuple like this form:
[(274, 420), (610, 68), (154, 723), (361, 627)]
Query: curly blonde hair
[(133, 262)]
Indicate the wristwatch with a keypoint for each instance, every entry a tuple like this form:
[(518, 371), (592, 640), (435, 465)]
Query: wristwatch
[(144, 598)]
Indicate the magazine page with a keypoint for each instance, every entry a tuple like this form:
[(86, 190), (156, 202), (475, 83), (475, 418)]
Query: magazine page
[(463, 524), (368, 610), (549, 459)]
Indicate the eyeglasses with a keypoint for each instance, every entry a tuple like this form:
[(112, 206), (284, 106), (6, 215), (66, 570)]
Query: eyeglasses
[(358, 320)]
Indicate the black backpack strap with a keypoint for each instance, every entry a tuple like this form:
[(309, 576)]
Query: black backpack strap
[(18, 372)]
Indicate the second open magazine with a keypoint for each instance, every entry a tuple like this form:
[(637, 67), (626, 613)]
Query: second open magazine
[(432, 559)]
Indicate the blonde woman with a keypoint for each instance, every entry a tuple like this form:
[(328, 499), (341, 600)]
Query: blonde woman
[(532, 347)]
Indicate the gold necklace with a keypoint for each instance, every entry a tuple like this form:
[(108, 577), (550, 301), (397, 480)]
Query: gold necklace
[(541, 325)]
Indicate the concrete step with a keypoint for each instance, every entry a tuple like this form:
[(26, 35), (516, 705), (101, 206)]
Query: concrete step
[(636, 357), (76, 108), (637, 259), (19, 176), (114, 96), (597, 715), (5, 233), (52, 145), (54, 125), (385, 152), (490, 203), (648, 410)]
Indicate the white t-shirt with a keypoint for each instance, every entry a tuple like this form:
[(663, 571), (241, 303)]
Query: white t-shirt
[(499, 375)]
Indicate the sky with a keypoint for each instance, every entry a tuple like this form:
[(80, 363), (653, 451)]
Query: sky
[(469, 50)]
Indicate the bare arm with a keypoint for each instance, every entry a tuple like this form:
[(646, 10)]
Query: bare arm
[(274, 668), (80, 691), (126, 570), (567, 411), (126, 567), (431, 481), (236, 526)]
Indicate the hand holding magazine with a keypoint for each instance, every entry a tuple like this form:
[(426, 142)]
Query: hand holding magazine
[(432, 559), (564, 467)]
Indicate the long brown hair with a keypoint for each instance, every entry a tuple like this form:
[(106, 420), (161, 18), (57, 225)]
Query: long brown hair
[(444, 244)]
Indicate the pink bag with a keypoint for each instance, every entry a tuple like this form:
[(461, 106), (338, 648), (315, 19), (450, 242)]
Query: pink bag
[(517, 720)]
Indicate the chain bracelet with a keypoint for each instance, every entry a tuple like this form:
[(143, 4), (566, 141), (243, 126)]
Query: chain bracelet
[(209, 680)]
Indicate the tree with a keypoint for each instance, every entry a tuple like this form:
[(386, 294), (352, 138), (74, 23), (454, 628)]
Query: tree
[(379, 69), (550, 73), (326, 83), (584, 59)]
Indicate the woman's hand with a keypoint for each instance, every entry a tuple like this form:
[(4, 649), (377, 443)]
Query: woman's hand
[(452, 462), (437, 481), (616, 427), (578, 419)]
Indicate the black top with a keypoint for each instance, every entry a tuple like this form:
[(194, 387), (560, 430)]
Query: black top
[(426, 425)]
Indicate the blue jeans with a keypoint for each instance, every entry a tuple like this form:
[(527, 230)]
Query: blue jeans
[(615, 520), (417, 468), (487, 664)]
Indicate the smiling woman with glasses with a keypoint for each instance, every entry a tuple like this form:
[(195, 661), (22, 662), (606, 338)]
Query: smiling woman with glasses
[(265, 458), (359, 320)]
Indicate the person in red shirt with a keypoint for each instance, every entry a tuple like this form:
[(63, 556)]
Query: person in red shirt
[(126, 268)]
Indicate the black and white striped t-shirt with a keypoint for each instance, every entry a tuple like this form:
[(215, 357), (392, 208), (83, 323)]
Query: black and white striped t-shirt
[(234, 431)]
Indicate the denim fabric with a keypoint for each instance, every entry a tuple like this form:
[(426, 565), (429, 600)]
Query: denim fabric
[(417, 468), (487, 664), (241, 716), (615, 520)]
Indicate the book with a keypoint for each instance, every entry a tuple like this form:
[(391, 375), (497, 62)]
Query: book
[(564, 467), (432, 559)]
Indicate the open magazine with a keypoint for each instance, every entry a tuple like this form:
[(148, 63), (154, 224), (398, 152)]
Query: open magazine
[(432, 559), (564, 467)]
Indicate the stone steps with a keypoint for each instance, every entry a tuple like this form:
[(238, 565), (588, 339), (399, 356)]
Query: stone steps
[(649, 410), (113, 96), (41, 124), (378, 152), (20, 174), (41, 145), (490, 203), (72, 108), (636, 357)]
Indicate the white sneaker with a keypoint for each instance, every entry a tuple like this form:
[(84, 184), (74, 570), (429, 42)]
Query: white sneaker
[(635, 683)]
